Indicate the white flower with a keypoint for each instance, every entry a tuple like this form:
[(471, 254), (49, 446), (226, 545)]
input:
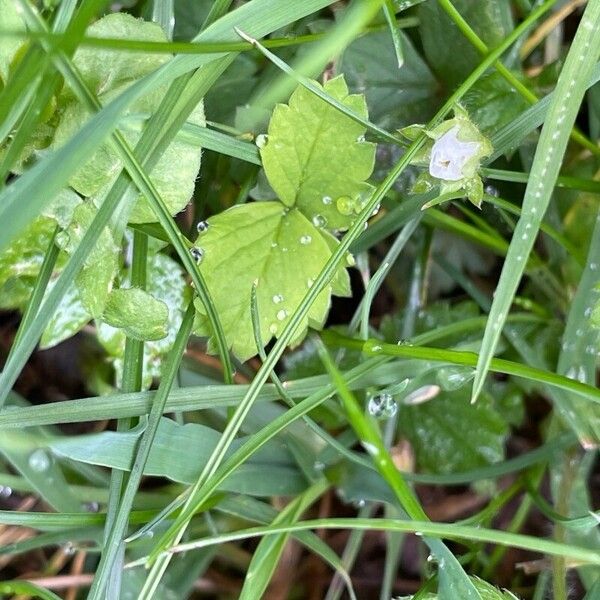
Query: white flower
[(449, 156)]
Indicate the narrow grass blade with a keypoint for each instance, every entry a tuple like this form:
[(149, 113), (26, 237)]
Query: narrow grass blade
[(267, 554), (25, 587), (450, 531), (452, 576), (546, 164), (390, 16)]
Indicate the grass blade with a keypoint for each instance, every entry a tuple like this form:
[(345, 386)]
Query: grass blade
[(561, 116)]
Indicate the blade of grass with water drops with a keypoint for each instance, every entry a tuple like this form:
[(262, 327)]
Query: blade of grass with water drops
[(562, 112), (452, 575), (578, 356)]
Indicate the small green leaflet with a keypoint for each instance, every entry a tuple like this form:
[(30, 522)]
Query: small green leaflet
[(317, 161), (166, 284), (137, 313)]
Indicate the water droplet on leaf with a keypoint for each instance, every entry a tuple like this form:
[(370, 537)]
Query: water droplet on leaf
[(345, 205), (319, 221), (262, 140), (39, 461), (281, 314), (197, 254), (382, 406), (202, 226), (305, 240), (277, 298)]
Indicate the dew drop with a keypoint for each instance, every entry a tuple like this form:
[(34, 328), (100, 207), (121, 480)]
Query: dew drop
[(262, 140), (273, 328), (69, 549), (309, 282), (453, 378), (277, 298), (197, 254), (327, 200), (39, 461), (318, 465), (350, 260), (281, 314), (345, 205), (202, 226), (92, 507), (319, 221), (382, 406), (274, 244), (305, 240), (5, 491)]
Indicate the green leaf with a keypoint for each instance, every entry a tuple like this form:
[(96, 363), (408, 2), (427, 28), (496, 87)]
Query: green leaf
[(492, 103), (69, 317), (109, 74), (486, 590), (395, 97), (138, 313), (104, 69), (166, 283), (282, 250), (24, 257), (450, 434), (449, 53), (179, 452), (95, 279), (316, 155), (9, 45)]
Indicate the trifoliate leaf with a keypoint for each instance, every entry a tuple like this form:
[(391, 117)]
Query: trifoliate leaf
[(316, 158), (283, 251), (137, 313), (109, 74), (450, 434)]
